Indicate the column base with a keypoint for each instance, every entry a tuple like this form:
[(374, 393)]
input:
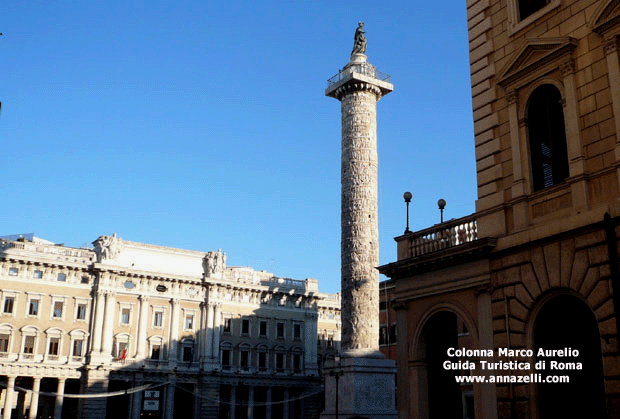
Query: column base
[(364, 385)]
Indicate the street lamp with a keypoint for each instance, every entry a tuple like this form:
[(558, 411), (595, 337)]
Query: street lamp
[(336, 373), (441, 204), (407, 196)]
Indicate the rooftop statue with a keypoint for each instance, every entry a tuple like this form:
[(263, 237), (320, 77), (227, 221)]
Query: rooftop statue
[(359, 45)]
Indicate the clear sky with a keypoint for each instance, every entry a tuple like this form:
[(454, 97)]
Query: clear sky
[(205, 125)]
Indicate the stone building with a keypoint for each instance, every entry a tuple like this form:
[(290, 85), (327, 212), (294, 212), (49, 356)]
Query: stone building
[(159, 332), (536, 266)]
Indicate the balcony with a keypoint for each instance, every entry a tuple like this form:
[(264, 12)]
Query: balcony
[(435, 246)]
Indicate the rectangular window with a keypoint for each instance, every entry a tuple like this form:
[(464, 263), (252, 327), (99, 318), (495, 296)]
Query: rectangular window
[(122, 350), (13, 271), (84, 280), (58, 306), (296, 362), (62, 277), (383, 335), (297, 331), (227, 325), (155, 351), (158, 319), (393, 334), (245, 327), (4, 343), (263, 328), (279, 361), (38, 274), (78, 344), (245, 357), (53, 348), (280, 330), (125, 312), (33, 308), (188, 353), (29, 344), (8, 304), (189, 322), (81, 312), (262, 361), (382, 305), (225, 358)]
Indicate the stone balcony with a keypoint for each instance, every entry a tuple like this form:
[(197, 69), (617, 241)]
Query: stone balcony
[(437, 245)]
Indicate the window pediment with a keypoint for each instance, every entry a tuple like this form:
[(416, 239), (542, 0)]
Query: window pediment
[(535, 59), (606, 19)]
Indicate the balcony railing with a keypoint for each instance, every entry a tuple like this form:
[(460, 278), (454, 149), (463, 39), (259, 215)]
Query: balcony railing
[(362, 68), (441, 236)]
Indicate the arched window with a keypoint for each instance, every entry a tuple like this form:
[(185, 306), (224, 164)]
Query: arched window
[(545, 119)]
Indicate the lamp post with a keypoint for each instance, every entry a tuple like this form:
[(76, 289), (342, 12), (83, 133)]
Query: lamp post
[(441, 204), (337, 373), (407, 196)]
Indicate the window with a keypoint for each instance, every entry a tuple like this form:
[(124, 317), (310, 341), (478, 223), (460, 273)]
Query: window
[(244, 361), (382, 305), (262, 328), (393, 334), (125, 313), (4, 342), (78, 346), (53, 347), (155, 351), (158, 318), (33, 307), (188, 351), (13, 271), (189, 322), (547, 137), (279, 361), (262, 361), (529, 7), (38, 274), (81, 312), (121, 350), (280, 330), (28, 344), (297, 331), (9, 302), (225, 359), (245, 327), (62, 277), (227, 325), (297, 362), (383, 335), (84, 280), (57, 313)]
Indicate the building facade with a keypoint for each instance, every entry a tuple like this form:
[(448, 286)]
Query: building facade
[(139, 330), (536, 266)]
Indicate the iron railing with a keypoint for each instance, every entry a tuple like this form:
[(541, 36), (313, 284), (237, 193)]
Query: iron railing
[(361, 68)]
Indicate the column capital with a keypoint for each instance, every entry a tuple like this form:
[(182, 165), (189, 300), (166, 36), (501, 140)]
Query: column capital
[(143, 298), (567, 67), (611, 45), (511, 97)]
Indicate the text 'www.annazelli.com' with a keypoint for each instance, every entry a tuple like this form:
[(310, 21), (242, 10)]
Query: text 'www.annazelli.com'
[(531, 378)]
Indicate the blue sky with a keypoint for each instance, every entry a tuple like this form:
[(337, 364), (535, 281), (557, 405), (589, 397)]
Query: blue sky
[(204, 125)]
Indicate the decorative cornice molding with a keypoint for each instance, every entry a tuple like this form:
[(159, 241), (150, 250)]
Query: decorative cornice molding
[(350, 88)]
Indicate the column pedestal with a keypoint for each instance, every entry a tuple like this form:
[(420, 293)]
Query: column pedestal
[(366, 388)]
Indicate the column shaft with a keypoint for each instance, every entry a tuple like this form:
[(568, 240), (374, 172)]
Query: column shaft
[(8, 398), (34, 398), (108, 326), (174, 330), (98, 328), (142, 327), (60, 392)]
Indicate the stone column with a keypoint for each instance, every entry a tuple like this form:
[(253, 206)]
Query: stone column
[(488, 394), (250, 414), (366, 374), (310, 335), (174, 331), (34, 398), (169, 407), (60, 392), (8, 398), (209, 329), (286, 404), (108, 326), (202, 333), (268, 398), (217, 310), (142, 327), (98, 327), (519, 192), (233, 401)]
